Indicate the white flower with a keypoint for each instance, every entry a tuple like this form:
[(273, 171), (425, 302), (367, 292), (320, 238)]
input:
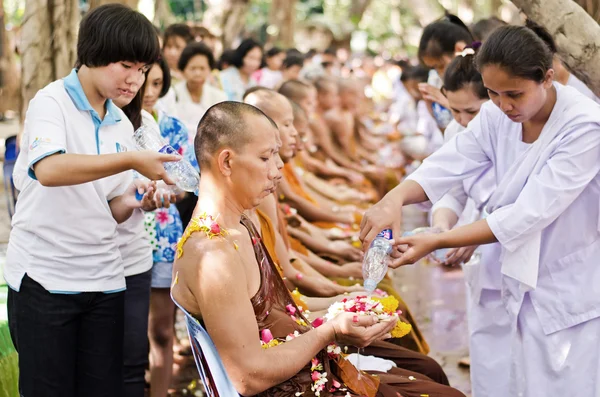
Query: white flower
[(163, 243)]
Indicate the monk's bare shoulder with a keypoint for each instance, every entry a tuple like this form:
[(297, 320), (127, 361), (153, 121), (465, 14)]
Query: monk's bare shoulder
[(202, 254)]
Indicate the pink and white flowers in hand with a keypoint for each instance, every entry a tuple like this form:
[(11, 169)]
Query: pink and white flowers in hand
[(383, 308)]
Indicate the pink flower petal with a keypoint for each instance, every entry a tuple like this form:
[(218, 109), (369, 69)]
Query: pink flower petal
[(336, 384), (266, 336), (291, 309), (315, 376), (318, 322)]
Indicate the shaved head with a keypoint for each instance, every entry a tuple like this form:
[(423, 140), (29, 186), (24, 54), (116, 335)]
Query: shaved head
[(295, 90), (266, 100), (226, 124)]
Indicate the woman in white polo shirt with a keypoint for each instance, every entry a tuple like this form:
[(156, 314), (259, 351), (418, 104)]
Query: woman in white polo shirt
[(63, 265)]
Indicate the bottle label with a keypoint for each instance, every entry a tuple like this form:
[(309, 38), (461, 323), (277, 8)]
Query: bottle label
[(386, 234), (167, 149)]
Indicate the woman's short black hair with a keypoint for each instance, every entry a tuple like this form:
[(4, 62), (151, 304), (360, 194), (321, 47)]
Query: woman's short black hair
[(462, 73), (178, 30), (226, 59), (418, 73), (440, 37), (519, 51), (293, 60), (273, 52), (193, 49), (166, 72), (243, 49), (115, 33)]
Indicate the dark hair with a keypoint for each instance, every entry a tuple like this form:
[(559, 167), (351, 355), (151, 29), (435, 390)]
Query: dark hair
[(419, 73), (310, 53), (178, 30), (461, 73), (193, 49), (519, 51), (133, 110), (273, 52), (224, 124), (294, 90), (484, 27), (243, 49), (166, 72), (330, 51), (543, 34), (293, 60), (226, 58), (113, 33), (440, 37)]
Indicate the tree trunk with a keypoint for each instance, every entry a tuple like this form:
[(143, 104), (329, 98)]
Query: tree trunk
[(131, 3), (48, 43), (357, 9), (576, 33), (162, 13), (592, 7), (283, 15), (227, 18), (426, 11)]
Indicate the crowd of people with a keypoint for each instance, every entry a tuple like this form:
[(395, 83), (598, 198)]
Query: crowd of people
[(301, 165)]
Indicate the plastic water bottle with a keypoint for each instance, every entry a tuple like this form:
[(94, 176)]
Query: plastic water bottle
[(442, 116), (439, 255), (181, 172), (375, 264)]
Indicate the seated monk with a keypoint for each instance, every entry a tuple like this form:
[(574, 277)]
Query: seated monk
[(343, 123), (403, 357), (307, 271), (225, 277), (328, 99), (340, 192), (280, 111), (305, 95), (291, 189)]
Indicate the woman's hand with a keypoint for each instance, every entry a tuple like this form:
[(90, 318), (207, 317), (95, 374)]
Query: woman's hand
[(386, 214), (361, 330), (417, 247), (433, 94), (456, 256)]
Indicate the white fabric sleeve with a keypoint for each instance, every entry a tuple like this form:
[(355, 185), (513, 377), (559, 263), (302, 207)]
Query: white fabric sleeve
[(467, 155), (44, 130), (549, 193)]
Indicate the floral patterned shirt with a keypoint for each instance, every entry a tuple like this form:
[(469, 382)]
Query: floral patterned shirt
[(166, 222)]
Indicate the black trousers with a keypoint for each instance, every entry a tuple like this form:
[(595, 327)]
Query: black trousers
[(69, 345), (135, 347)]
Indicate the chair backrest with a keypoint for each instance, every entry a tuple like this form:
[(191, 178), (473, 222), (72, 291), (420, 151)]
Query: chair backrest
[(10, 157), (210, 367)]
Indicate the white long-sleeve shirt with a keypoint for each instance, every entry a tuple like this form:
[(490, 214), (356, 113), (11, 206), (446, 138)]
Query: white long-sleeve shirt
[(560, 200)]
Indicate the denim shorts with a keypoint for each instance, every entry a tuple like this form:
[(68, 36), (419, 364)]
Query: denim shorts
[(162, 274)]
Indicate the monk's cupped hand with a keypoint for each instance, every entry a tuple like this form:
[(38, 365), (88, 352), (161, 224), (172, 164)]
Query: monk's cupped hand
[(386, 214), (361, 330)]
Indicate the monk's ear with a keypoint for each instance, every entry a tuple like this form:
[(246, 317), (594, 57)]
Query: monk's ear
[(224, 161)]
